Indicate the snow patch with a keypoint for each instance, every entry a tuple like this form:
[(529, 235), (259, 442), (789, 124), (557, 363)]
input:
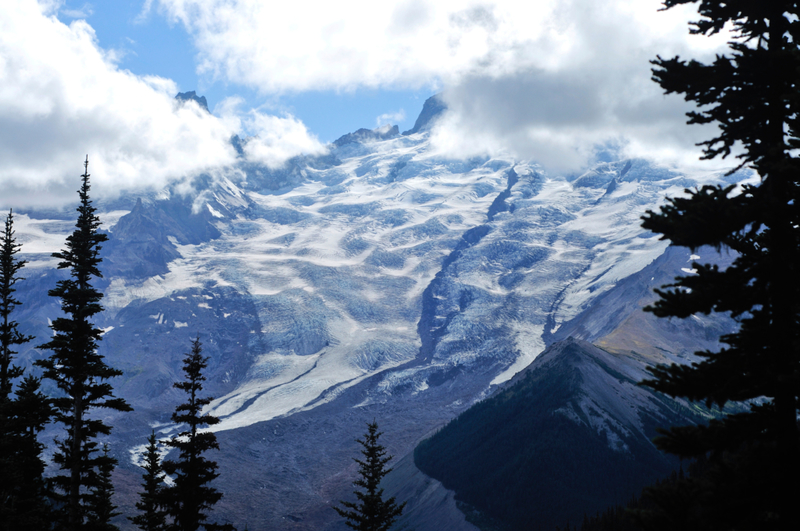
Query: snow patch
[(529, 343)]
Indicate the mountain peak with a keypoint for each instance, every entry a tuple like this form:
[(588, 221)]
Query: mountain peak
[(192, 96), (431, 109), (365, 135)]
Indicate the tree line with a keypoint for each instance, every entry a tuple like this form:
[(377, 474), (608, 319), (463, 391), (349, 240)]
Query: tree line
[(79, 498)]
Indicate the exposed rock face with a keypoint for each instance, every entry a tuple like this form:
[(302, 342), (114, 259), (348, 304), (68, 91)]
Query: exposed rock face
[(192, 96), (431, 109), (568, 436), (367, 135), (577, 409)]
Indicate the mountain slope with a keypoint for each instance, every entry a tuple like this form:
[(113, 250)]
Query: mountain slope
[(378, 281), (570, 437), (571, 433)]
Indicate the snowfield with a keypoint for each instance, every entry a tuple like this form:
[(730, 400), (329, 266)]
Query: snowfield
[(391, 261)]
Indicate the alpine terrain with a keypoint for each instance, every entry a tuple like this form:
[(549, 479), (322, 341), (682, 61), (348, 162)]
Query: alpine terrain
[(384, 282)]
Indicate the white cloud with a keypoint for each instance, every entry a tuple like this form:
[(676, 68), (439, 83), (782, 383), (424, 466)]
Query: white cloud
[(296, 46), (84, 12), (302, 45), (277, 139), (597, 92), (390, 118), (62, 97), (548, 79)]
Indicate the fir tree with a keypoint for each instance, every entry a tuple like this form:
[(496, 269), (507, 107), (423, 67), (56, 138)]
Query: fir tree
[(27, 492), (371, 512), (11, 443), (75, 366), (191, 498), (752, 95), (152, 515), (99, 507), (9, 334)]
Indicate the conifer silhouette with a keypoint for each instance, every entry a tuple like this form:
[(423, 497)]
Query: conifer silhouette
[(75, 365), (152, 516), (371, 512), (10, 442), (189, 501), (751, 93)]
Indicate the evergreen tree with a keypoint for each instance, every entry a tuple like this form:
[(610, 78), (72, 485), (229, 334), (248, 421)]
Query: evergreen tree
[(9, 334), (27, 493), (191, 498), (153, 515), (752, 95), (75, 366), (99, 507), (371, 512), (11, 443)]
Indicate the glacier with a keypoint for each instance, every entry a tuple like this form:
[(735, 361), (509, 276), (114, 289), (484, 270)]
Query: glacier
[(372, 279), (396, 258)]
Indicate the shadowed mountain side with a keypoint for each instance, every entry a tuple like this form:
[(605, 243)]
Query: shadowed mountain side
[(569, 435), (286, 473), (430, 506), (617, 323), (142, 242)]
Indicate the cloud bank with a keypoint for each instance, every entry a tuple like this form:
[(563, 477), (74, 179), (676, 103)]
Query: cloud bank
[(62, 97), (547, 79)]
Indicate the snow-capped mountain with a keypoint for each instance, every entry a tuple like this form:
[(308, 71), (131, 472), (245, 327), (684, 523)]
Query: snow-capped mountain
[(572, 433), (378, 281)]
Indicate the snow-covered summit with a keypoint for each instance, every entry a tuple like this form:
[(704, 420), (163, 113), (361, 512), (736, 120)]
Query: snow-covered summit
[(380, 259), (377, 279)]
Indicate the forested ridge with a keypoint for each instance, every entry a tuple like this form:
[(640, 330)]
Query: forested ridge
[(529, 457)]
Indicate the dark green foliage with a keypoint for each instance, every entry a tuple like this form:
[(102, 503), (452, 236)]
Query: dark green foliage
[(752, 95), (75, 366), (9, 334), (629, 517), (23, 502), (189, 501), (25, 491), (152, 515), (640, 511), (99, 507), (613, 519), (517, 458), (371, 512)]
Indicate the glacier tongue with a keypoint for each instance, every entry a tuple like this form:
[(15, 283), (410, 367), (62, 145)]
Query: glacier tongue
[(383, 259)]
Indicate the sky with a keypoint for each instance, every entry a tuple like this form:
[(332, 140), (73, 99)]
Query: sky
[(552, 81)]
